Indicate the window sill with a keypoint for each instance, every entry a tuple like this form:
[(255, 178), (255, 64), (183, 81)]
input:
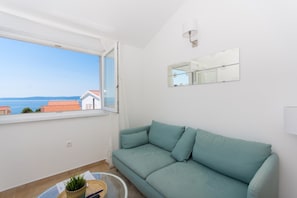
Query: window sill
[(35, 117)]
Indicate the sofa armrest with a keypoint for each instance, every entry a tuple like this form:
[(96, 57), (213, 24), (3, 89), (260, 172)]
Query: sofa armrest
[(265, 182), (124, 135)]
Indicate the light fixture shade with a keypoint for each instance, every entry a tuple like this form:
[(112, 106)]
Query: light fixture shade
[(290, 119), (190, 26)]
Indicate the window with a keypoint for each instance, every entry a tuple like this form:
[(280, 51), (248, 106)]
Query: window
[(37, 78), (110, 79)]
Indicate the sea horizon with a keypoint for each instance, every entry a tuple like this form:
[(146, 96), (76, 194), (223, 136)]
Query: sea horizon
[(38, 97), (17, 104)]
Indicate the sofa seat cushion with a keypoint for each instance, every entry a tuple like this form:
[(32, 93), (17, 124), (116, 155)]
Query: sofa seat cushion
[(144, 159), (190, 179)]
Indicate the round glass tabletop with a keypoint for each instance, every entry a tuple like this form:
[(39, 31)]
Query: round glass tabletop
[(116, 187)]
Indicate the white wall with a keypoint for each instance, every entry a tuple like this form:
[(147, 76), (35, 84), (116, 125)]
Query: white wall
[(251, 108), (131, 78), (34, 150)]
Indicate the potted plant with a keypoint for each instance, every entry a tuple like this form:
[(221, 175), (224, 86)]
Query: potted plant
[(76, 187)]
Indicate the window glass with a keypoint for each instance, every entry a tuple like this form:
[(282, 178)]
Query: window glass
[(37, 78), (110, 81)]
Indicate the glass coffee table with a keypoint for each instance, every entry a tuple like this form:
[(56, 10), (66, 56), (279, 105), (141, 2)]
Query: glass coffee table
[(116, 187)]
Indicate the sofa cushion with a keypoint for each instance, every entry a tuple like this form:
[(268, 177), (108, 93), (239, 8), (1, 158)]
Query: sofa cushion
[(144, 159), (184, 146), (190, 179), (236, 158), (134, 139), (164, 135)]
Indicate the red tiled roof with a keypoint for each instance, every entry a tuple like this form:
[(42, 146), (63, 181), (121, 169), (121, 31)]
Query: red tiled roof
[(93, 93), (96, 92), (66, 102), (54, 106), (4, 108)]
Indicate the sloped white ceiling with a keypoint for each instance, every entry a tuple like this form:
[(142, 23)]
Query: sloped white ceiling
[(132, 22)]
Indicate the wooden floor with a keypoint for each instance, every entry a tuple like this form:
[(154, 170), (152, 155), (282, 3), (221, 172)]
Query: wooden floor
[(32, 190)]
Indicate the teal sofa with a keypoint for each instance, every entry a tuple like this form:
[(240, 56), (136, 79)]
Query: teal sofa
[(164, 160)]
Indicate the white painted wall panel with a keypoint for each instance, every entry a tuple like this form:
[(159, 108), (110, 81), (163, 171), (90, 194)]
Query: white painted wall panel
[(42, 144)]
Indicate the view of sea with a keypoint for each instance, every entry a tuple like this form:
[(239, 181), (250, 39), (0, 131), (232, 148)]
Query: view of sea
[(18, 104)]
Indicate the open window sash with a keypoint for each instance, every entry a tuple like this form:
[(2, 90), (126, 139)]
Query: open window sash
[(109, 79)]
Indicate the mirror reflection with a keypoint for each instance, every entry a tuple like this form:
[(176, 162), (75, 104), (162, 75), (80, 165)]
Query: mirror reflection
[(219, 67)]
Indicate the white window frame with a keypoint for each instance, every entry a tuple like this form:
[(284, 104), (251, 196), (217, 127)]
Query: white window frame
[(20, 118), (116, 61)]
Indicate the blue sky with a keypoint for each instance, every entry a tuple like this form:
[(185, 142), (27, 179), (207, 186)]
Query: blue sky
[(28, 69)]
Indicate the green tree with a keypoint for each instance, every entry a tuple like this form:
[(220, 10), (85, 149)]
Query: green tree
[(38, 110), (27, 110)]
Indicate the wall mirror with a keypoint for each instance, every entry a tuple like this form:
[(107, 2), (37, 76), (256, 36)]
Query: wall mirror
[(215, 68)]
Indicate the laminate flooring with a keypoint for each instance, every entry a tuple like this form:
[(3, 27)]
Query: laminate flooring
[(33, 189)]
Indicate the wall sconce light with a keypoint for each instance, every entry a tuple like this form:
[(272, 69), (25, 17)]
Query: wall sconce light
[(290, 119), (190, 31)]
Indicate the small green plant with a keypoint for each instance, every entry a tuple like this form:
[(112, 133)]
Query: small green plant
[(75, 183)]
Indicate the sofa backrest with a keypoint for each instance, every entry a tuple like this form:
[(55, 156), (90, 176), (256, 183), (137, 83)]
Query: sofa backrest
[(235, 158), (165, 135)]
